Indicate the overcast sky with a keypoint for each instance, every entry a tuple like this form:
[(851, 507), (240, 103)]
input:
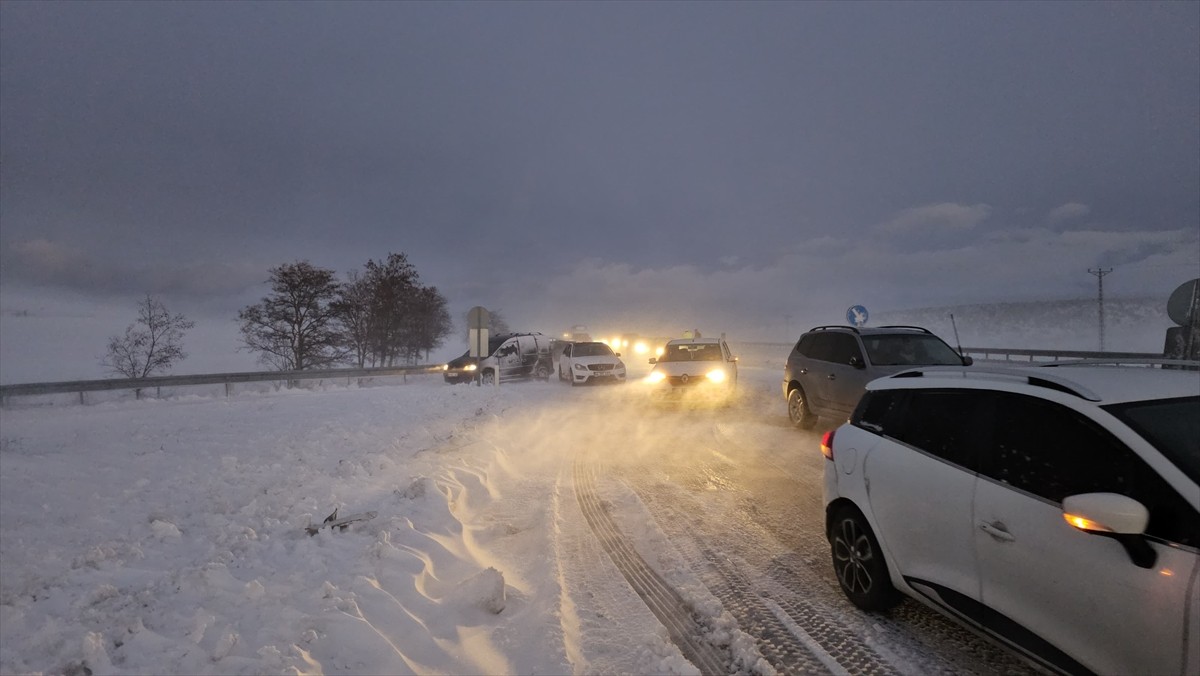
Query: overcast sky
[(649, 165)]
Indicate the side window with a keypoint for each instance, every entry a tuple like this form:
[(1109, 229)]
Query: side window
[(845, 348), (880, 412), (817, 346), (805, 344), (1052, 451), (567, 351), (944, 423)]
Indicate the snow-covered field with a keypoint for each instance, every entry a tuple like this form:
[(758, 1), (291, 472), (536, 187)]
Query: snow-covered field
[(168, 536)]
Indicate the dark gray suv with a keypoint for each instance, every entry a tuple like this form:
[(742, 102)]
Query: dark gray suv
[(830, 366)]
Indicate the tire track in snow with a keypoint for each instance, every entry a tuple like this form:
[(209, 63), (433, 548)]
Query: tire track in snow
[(662, 599)]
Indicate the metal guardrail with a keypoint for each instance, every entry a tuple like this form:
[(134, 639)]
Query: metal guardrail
[(988, 353), (227, 379), (1006, 353)]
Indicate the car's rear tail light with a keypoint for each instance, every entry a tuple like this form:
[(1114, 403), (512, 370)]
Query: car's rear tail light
[(827, 444)]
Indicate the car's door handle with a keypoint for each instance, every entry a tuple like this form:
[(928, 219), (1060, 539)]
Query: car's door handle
[(998, 531), (831, 376), (803, 371)]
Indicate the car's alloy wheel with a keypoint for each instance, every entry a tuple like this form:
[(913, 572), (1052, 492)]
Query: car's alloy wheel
[(488, 377), (858, 562), (542, 372), (798, 411)]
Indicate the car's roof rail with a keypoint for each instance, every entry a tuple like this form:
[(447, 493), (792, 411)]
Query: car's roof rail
[(833, 326), (905, 326), (1049, 381), (1140, 361)]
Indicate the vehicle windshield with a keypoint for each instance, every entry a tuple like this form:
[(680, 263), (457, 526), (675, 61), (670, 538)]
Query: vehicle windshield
[(591, 350), (691, 352), (910, 350), (1170, 425)]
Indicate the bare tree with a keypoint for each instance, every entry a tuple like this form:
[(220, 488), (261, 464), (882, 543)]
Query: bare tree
[(429, 324), (393, 285), (353, 310), (294, 328), (151, 344)]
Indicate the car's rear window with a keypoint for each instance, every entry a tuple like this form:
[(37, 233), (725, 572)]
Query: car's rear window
[(1170, 425)]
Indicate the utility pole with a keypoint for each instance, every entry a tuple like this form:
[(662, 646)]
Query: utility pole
[(1100, 272)]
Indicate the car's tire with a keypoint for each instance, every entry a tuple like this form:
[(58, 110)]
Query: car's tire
[(858, 562), (488, 377), (799, 412), (541, 372)]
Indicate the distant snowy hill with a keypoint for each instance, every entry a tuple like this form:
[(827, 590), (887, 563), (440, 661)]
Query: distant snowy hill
[(1131, 324)]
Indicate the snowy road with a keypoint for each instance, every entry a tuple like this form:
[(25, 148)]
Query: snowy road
[(737, 492), (528, 529)]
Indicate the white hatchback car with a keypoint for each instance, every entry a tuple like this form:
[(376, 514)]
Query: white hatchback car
[(590, 362), (1055, 509), (694, 370)]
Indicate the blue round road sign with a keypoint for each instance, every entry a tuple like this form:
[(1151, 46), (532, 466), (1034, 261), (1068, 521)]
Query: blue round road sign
[(857, 315)]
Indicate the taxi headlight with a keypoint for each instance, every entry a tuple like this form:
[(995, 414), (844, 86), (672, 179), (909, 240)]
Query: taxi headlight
[(716, 376)]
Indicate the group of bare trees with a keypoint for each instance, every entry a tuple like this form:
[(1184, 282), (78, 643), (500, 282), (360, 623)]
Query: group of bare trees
[(383, 316)]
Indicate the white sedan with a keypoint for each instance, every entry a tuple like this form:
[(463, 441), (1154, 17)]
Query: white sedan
[(590, 362)]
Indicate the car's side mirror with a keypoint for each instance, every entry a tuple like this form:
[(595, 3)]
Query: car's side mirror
[(653, 360), (1113, 515), (857, 363), (617, 354), (967, 361)]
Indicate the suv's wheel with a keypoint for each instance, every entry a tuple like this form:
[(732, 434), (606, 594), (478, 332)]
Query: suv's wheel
[(799, 412), (541, 372), (858, 562), (488, 377)]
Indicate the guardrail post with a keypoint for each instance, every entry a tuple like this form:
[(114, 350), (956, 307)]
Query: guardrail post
[(228, 388), (81, 397)]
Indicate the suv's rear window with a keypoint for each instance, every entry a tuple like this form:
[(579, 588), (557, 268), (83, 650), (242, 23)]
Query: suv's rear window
[(1170, 425)]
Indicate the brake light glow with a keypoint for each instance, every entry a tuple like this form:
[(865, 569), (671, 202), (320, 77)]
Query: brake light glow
[(827, 445)]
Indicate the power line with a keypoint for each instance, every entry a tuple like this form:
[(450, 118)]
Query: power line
[(1100, 298)]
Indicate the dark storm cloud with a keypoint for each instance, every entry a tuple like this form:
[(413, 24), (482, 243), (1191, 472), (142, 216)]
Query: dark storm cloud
[(696, 148)]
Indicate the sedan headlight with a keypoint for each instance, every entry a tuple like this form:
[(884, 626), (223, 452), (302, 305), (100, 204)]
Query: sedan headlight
[(469, 367), (655, 377), (716, 375), (580, 367)]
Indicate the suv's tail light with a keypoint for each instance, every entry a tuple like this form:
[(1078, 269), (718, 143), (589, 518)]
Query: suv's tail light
[(827, 444)]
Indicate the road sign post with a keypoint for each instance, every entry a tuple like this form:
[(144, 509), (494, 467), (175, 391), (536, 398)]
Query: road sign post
[(477, 337)]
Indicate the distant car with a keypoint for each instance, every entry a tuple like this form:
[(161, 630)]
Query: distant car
[(694, 369), (828, 369), (511, 356), (1053, 508), (590, 362)]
